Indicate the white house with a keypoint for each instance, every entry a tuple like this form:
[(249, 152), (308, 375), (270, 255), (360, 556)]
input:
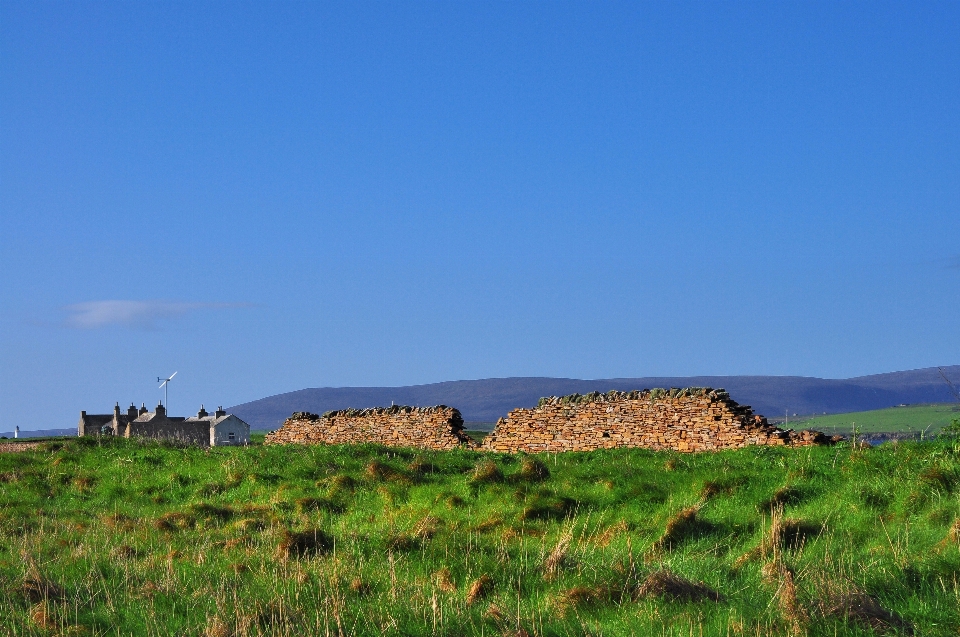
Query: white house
[(225, 429)]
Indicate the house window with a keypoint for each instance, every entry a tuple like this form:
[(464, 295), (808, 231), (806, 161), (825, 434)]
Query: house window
[(231, 436)]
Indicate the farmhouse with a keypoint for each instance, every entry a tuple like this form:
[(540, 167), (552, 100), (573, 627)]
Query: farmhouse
[(204, 429)]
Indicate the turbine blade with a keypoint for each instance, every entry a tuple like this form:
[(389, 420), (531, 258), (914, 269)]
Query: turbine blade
[(172, 375)]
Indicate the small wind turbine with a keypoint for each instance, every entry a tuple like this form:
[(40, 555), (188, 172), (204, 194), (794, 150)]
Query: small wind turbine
[(164, 387)]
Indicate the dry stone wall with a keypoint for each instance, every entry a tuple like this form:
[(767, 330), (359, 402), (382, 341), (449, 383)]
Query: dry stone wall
[(438, 427), (692, 419)]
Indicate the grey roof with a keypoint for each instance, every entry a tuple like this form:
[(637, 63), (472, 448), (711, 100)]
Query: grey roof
[(150, 415), (213, 420)]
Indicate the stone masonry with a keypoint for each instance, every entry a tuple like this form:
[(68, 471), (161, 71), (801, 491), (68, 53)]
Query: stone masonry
[(439, 427), (692, 419)]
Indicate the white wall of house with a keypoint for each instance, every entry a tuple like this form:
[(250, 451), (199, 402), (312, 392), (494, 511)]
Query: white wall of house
[(229, 431)]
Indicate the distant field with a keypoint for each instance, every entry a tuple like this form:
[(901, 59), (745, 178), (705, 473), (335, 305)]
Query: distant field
[(928, 418)]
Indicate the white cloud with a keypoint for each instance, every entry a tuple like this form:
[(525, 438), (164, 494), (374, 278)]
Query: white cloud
[(136, 314)]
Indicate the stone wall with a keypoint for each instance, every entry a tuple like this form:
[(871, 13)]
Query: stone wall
[(438, 427), (692, 419), (190, 433)]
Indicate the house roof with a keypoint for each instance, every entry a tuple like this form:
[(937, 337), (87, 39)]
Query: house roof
[(213, 420), (151, 415)]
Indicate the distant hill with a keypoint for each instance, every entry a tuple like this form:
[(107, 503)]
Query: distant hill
[(488, 399), (41, 433)]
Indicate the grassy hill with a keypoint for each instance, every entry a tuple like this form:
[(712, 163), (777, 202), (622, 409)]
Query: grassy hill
[(129, 537), (929, 418)]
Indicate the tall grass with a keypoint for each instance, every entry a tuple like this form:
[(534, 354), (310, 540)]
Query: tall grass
[(125, 537)]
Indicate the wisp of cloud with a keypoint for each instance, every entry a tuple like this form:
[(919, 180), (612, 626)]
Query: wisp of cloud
[(134, 314)]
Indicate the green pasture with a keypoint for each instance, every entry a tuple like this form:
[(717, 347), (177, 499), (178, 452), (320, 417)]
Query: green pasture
[(126, 537), (927, 419)]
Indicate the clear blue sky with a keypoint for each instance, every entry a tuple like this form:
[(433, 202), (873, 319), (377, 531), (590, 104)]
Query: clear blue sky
[(271, 196)]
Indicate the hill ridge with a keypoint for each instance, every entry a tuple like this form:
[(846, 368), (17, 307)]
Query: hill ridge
[(485, 400)]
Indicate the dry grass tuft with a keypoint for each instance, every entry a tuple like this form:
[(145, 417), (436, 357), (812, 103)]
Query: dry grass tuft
[(250, 525), (444, 580), (671, 464), (680, 527), (124, 552), (275, 616), (41, 616), (505, 626), (532, 470), (218, 627), (722, 486), (953, 534), (558, 559), (420, 467), (782, 497), (479, 589), (118, 522), (37, 588), (174, 521), (304, 543), (84, 484), (776, 573), (402, 542), (489, 524), (487, 472), (939, 478), (213, 512), (610, 533), (580, 597), (359, 587), (851, 603), (790, 533), (667, 585), (454, 502), (426, 527), (377, 471)]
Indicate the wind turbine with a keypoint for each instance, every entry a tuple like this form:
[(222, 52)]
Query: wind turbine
[(164, 385)]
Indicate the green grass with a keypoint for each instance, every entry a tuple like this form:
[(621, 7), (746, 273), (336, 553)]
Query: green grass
[(928, 418), (122, 537)]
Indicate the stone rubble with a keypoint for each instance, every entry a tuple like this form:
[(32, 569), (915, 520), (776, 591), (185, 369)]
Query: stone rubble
[(692, 419), (439, 427)]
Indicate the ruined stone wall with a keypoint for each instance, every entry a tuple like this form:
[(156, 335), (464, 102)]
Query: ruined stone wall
[(438, 427), (693, 419)]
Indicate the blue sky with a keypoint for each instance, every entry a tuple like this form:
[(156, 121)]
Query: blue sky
[(271, 196)]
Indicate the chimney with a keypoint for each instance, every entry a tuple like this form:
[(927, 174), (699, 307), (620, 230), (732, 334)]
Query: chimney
[(132, 412), (143, 409), (202, 413), (83, 414), (116, 411), (220, 413), (161, 410)]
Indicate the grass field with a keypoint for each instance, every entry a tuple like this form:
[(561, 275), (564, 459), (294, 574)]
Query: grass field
[(927, 419), (120, 537)]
